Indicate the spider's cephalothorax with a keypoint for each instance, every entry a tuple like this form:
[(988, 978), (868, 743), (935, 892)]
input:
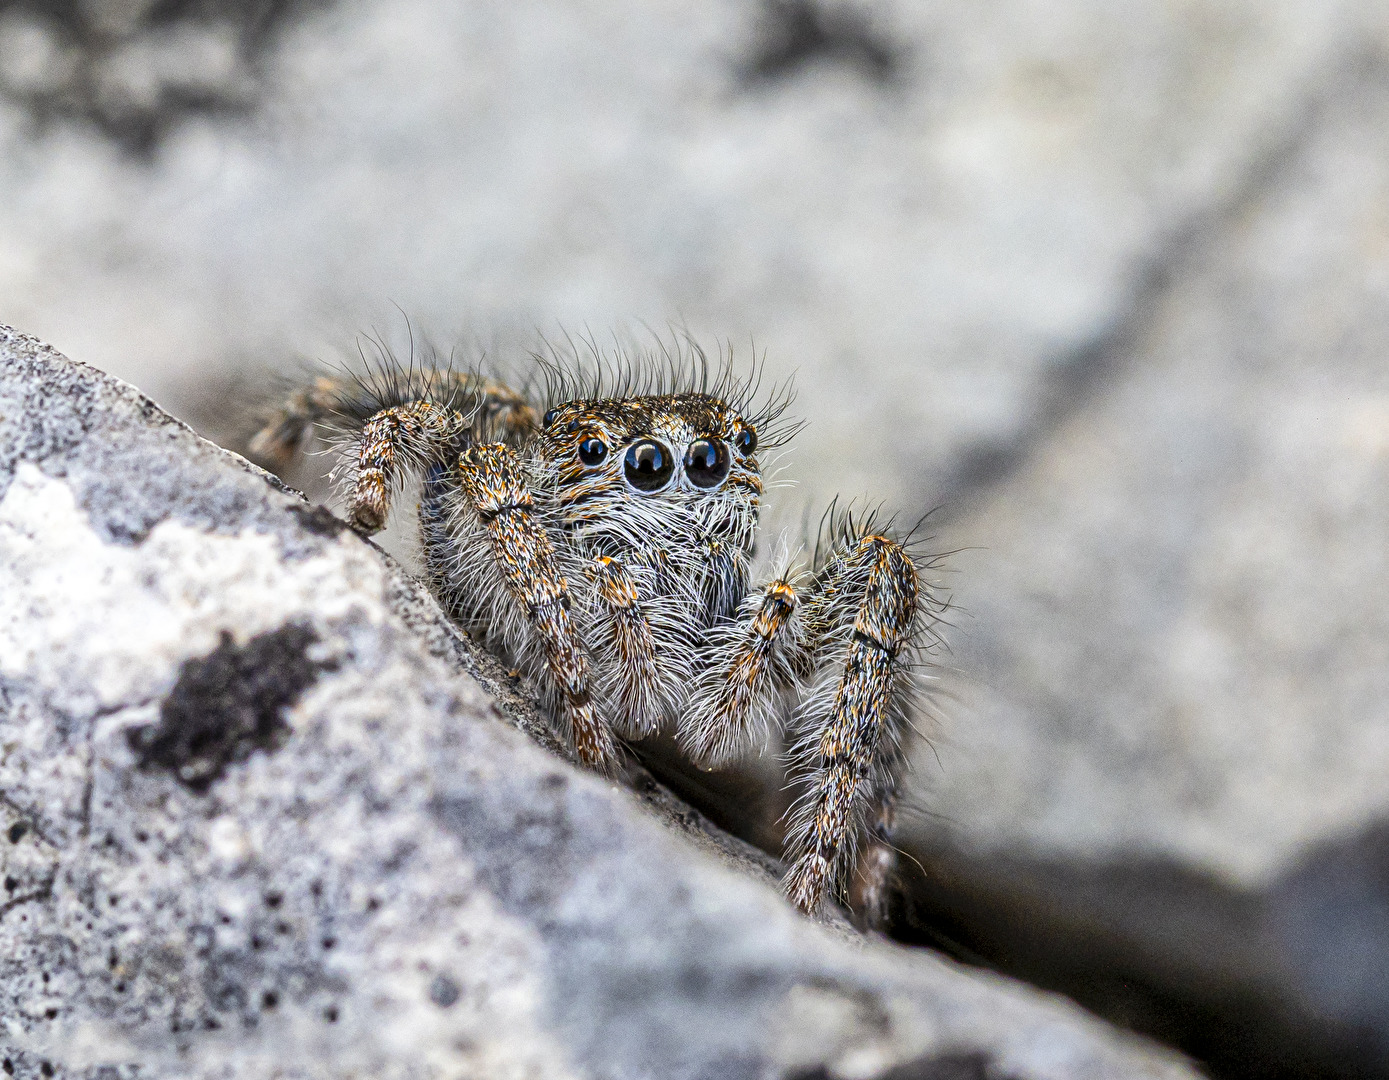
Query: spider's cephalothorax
[(601, 539)]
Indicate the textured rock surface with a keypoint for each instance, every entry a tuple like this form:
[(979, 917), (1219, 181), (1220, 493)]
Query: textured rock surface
[(1168, 790), (1108, 280), (256, 819)]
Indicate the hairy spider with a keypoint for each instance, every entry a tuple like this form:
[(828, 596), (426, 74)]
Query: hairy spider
[(598, 532)]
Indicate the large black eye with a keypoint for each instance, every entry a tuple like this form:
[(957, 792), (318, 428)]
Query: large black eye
[(592, 451), (649, 466), (745, 441), (706, 462), (549, 418)]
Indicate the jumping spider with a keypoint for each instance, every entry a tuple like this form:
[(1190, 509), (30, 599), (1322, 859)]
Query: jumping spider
[(598, 531)]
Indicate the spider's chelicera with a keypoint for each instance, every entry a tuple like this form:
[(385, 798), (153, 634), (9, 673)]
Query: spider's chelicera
[(598, 533)]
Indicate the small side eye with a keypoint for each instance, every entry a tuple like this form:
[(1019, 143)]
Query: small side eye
[(549, 418), (592, 451), (745, 441)]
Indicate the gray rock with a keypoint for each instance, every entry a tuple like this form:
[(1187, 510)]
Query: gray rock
[(1165, 788), (259, 816)]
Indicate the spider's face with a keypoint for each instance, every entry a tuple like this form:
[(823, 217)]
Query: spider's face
[(631, 470)]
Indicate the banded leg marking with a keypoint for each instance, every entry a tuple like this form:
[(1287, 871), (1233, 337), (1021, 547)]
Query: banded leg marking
[(493, 482), (386, 442), (850, 747), (632, 677)]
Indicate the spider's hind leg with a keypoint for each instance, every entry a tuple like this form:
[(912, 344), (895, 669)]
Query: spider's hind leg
[(864, 624), (391, 423)]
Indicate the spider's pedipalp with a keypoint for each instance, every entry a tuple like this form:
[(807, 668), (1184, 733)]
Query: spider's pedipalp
[(631, 676), (750, 662)]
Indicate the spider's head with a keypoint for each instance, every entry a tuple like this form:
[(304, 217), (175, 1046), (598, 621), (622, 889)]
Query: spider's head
[(625, 471)]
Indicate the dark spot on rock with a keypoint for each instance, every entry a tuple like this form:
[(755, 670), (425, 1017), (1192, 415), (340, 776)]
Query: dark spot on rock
[(329, 942), (553, 781), (113, 961), (8, 1066), (444, 992), (373, 903), (331, 1014), (50, 1013), (17, 831), (797, 33), (269, 999), (11, 884), (119, 987), (46, 1068), (319, 520), (256, 942), (274, 900), (228, 704), (210, 1023), (141, 836)]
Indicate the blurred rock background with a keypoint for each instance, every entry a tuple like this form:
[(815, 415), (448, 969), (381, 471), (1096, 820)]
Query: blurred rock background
[(1109, 283)]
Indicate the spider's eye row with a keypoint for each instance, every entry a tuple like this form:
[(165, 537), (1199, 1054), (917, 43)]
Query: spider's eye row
[(648, 465), (592, 451), (745, 441), (549, 418), (706, 462)]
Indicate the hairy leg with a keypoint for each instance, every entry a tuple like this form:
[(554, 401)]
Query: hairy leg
[(622, 633), (877, 858), (864, 626), (392, 423), (492, 482), (736, 697), (285, 430)]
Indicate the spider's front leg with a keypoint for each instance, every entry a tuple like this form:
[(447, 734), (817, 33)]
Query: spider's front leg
[(393, 437), (863, 630), (493, 484)]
